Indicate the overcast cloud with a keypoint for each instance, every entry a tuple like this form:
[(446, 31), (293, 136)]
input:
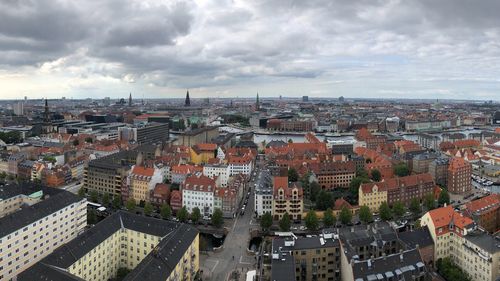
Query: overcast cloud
[(321, 48)]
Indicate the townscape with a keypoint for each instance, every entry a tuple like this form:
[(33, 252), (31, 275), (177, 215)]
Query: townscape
[(259, 188)]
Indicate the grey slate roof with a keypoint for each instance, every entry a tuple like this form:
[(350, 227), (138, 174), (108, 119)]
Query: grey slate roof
[(56, 200), (419, 236), (155, 266)]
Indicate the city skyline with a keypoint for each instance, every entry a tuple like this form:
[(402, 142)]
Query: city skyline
[(323, 49)]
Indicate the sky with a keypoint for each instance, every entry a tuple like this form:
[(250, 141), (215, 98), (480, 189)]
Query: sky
[(446, 49)]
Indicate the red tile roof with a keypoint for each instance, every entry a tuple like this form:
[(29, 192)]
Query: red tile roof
[(484, 203), (280, 182), (443, 217), (143, 171)]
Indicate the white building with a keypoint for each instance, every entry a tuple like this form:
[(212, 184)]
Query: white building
[(263, 194), (240, 165), (51, 218), (219, 171), (198, 191)]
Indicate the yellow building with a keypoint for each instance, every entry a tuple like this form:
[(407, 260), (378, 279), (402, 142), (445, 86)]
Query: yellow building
[(202, 152), (149, 248), (142, 180), (371, 195)]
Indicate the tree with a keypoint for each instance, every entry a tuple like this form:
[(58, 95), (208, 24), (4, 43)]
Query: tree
[(376, 175), (94, 196), (285, 222), (165, 211), (81, 192), (324, 200), (292, 175), (365, 215), (444, 197), (89, 140), (3, 175), (311, 220), (130, 205), (354, 185), (195, 215), (401, 170), (361, 173), (122, 273), (50, 159), (76, 142), (91, 217), (329, 218), (11, 137), (345, 215), (450, 271), (117, 202), (384, 211), (429, 202), (398, 209), (182, 214), (415, 206), (266, 221), (105, 199), (290, 141), (217, 219), (148, 209), (314, 190)]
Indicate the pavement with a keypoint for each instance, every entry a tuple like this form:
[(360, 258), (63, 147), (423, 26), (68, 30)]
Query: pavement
[(218, 266)]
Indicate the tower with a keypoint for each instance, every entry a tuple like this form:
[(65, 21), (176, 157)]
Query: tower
[(130, 100), (47, 122), (257, 103), (188, 101)]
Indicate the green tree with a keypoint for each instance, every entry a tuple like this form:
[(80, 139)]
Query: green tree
[(365, 215), (314, 190), (401, 170), (105, 199), (81, 192), (292, 175), (89, 140), (354, 185), (165, 211), (311, 220), (3, 175), (11, 137), (429, 202), (329, 218), (266, 221), (285, 222), (450, 271), (444, 197), (182, 214), (376, 175), (361, 173), (148, 209), (415, 206), (91, 217), (195, 215), (10, 177), (398, 209), (76, 142), (94, 196), (217, 219), (384, 211), (290, 141), (117, 202), (122, 273), (324, 200), (130, 205), (345, 215)]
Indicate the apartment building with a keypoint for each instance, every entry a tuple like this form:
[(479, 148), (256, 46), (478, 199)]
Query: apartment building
[(201, 135), (485, 212), (306, 258), (144, 134), (179, 173), (142, 180), (459, 176), (240, 164), (456, 236), (263, 193), (49, 219), (402, 189), (287, 198), (198, 191), (335, 174), (421, 162), (220, 171), (439, 170), (151, 249), (202, 152)]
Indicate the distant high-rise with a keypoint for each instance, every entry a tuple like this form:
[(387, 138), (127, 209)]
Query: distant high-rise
[(187, 102), (18, 108), (130, 100), (305, 98), (257, 103)]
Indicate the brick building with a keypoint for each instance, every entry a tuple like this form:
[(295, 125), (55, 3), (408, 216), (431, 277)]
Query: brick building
[(459, 176), (486, 212)]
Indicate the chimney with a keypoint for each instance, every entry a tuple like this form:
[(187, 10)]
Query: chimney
[(352, 229), (384, 255)]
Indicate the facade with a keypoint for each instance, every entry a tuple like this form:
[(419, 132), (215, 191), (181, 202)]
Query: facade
[(201, 135), (50, 219), (142, 180), (151, 249), (160, 195), (402, 189), (439, 170), (421, 162), (198, 191), (456, 236), (306, 258), (263, 193), (151, 133), (459, 176), (221, 171), (335, 174), (202, 152), (240, 164), (485, 212), (287, 198)]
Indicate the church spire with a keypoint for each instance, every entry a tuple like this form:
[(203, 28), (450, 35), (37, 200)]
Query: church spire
[(188, 101), (130, 100), (257, 103)]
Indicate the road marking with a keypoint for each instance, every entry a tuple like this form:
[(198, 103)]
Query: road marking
[(242, 262), (213, 268), (234, 224)]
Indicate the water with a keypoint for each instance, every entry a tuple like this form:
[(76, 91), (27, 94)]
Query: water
[(208, 242), (255, 244)]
